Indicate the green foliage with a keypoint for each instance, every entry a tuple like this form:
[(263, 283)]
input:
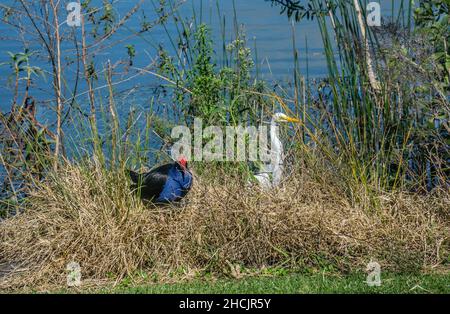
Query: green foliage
[(431, 12), (20, 62), (205, 83), (103, 17), (218, 95), (380, 134), (432, 19), (131, 52), (26, 154)]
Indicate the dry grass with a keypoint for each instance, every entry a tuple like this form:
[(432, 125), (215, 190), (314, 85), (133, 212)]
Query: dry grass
[(88, 215)]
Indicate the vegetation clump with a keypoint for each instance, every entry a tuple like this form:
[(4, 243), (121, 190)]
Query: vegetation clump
[(88, 215)]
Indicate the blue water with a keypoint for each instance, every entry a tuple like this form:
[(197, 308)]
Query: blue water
[(269, 34)]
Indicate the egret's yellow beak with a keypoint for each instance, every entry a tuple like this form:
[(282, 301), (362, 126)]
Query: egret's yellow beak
[(293, 120)]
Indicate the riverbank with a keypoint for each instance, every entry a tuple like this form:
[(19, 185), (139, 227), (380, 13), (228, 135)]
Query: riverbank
[(88, 215), (319, 283), (304, 284)]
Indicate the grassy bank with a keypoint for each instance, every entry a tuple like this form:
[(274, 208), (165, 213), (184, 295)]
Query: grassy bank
[(225, 227), (303, 284)]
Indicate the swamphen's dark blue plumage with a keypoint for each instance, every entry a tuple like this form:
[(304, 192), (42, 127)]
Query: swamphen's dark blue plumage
[(165, 184)]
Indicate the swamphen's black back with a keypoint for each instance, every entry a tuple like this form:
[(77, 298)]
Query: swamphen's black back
[(165, 184)]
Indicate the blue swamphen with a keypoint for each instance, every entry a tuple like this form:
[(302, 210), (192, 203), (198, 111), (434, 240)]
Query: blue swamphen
[(166, 184)]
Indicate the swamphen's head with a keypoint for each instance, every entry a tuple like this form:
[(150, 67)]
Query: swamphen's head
[(183, 162)]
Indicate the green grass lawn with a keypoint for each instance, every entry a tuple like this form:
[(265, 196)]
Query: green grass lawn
[(300, 284)]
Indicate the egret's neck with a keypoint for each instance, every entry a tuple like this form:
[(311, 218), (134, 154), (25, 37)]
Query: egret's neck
[(277, 153), (276, 144)]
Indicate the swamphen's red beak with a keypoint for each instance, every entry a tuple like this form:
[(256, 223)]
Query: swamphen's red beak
[(183, 162)]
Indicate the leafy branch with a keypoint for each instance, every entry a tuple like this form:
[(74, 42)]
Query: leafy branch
[(298, 10)]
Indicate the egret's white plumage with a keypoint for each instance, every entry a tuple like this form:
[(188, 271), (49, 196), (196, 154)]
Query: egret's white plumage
[(270, 174)]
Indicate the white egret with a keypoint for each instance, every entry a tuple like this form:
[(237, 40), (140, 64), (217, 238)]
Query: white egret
[(270, 174)]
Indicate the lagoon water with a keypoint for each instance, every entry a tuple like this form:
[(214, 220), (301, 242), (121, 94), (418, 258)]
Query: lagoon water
[(269, 34)]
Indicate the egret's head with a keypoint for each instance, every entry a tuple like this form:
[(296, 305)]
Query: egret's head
[(281, 117)]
